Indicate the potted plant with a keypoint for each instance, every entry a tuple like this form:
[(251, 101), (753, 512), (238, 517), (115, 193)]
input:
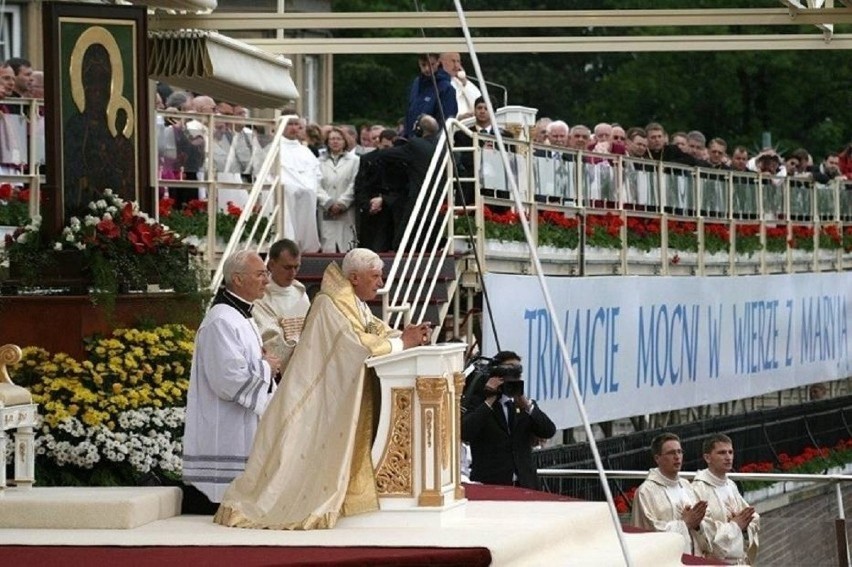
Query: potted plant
[(14, 206), (192, 218), (117, 247)]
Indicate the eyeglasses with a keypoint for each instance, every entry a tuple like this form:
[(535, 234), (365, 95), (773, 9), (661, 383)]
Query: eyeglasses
[(258, 273)]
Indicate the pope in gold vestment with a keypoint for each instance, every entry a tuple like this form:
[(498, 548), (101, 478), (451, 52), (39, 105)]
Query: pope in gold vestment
[(310, 461)]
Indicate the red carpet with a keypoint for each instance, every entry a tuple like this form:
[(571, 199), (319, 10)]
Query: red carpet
[(252, 556)]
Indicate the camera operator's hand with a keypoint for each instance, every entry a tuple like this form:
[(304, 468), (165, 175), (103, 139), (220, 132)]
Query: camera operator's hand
[(523, 403), (492, 390)]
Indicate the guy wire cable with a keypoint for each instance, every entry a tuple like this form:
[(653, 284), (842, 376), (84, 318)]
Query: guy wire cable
[(457, 188), (566, 359)]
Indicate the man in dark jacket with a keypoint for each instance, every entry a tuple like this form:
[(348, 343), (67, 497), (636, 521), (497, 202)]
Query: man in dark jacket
[(422, 98), (501, 425), (416, 156)]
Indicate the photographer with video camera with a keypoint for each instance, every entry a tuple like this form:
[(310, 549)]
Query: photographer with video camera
[(502, 425)]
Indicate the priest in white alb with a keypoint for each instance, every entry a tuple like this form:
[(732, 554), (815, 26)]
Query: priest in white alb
[(666, 503), (300, 176), (733, 525), (310, 462), (280, 313), (231, 382)]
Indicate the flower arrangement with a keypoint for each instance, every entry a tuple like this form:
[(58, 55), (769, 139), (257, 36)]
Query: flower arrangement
[(505, 227), (776, 239), (121, 247), (644, 233), (554, 228), (683, 236), (14, 205), (115, 416), (191, 219), (830, 238), (604, 231), (557, 230), (748, 239), (847, 239), (717, 237), (803, 238)]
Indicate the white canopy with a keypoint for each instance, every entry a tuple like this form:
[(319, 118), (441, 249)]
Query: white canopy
[(221, 67)]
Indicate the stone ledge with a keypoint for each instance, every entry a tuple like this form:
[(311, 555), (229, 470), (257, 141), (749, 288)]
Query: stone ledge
[(120, 508)]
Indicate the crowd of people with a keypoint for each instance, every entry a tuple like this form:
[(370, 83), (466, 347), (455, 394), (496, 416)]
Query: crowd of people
[(18, 80), (354, 186)]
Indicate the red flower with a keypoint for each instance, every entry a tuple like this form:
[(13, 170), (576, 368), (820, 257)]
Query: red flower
[(5, 191), (108, 228)]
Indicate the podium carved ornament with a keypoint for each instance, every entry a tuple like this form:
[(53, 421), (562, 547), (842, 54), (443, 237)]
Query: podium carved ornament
[(394, 474)]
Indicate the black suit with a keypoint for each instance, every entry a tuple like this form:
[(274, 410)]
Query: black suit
[(415, 156), (500, 450)]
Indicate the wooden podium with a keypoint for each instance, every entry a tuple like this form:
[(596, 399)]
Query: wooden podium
[(416, 451)]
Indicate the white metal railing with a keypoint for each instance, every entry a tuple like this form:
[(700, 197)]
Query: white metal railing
[(414, 274), (578, 184)]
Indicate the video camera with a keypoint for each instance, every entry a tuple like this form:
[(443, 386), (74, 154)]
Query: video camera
[(481, 369)]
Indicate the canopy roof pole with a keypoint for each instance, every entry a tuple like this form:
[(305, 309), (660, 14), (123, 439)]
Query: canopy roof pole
[(560, 338)]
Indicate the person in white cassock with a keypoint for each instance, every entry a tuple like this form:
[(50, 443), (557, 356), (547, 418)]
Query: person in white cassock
[(310, 462), (230, 384), (734, 525), (300, 176), (666, 503), (280, 313)]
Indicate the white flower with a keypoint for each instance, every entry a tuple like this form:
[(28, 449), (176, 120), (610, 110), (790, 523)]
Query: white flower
[(112, 210), (57, 246), (91, 221), (107, 192), (107, 216), (22, 238), (80, 246), (74, 222), (93, 206), (101, 204), (69, 238)]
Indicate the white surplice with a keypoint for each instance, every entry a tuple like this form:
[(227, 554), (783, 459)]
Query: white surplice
[(300, 175), (723, 501), (280, 316), (229, 387), (658, 505)]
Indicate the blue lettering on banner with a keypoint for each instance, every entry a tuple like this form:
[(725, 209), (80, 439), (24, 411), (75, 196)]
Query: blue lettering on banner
[(667, 345), (590, 335), (788, 358), (714, 326), (822, 333), (755, 336)]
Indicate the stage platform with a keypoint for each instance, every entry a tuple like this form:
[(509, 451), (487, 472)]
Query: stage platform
[(507, 528)]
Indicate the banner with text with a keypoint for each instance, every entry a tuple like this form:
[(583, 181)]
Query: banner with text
[(641, 345)]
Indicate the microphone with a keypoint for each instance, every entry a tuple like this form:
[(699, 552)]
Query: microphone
[(492, 84)]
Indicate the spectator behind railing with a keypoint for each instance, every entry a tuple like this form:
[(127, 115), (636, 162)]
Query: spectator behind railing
[(336, 195)]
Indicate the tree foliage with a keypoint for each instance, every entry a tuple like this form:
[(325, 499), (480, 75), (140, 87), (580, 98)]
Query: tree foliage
[(802, 98)]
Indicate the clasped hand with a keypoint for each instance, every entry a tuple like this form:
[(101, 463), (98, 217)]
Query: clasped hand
[(693, 515), (417, 335)]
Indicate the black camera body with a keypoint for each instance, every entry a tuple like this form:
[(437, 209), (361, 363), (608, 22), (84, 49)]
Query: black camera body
[(513, 384)]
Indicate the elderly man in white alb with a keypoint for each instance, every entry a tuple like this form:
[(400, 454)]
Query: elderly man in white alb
[(300, 176), (230, 383), (466, 91), (666, 503), (729, 514), (280, 313), (310, 462)]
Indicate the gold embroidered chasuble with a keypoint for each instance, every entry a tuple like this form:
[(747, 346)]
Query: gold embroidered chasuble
[(310, 461)]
